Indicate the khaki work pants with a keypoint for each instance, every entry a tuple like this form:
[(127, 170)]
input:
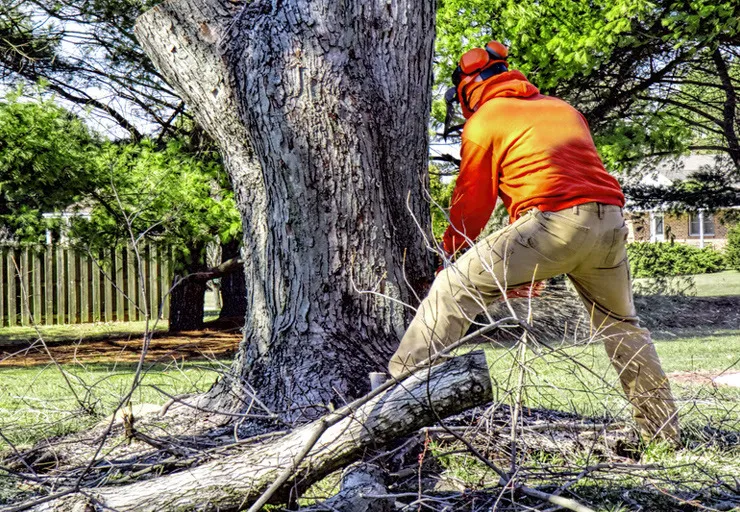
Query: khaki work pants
[(586, 242)]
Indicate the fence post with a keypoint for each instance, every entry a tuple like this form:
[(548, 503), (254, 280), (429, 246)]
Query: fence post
[(108, 278), (142, 272), (97, 299), (153, 282), (12, 297), (24, 270), (131, 284), (3, 287), (84, 289), (38, 315), (49, 284), (72, 280), (166, 280), (120, 287), (61, 285)]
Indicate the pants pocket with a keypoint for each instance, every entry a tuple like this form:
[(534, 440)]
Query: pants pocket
[(554, 237), (615, 246)]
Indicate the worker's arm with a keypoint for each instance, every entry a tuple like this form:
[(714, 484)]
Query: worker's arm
[(473, 198)]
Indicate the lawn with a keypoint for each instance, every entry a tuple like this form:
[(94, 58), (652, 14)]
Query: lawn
[(720, 284), (47, 400), (41, 401), (580, 379)]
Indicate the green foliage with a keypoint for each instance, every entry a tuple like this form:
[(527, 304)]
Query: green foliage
[(176, 194), (46, 162), (732, 249), (671, 259)]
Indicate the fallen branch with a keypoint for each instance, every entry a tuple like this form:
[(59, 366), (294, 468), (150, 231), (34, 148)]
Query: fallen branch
[(238, 480), (361, 490), (225, 268)]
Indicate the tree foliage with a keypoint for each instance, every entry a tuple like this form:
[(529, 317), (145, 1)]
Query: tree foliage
[(173, 191), (46, 162), (85, 52)]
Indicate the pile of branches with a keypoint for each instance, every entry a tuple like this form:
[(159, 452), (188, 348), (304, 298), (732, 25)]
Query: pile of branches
[(430, 441)]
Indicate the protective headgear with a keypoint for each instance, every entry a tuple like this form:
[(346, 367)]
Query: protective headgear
[(475, 66)]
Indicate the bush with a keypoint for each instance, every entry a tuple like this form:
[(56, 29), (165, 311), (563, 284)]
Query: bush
[(732, 250), (669, 259)]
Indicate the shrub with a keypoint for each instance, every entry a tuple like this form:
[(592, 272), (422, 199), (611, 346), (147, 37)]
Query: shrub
[(669, 259), (732, 249)]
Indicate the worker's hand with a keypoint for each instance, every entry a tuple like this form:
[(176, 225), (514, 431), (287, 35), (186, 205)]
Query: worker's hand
[(444, 259), (526, 291)]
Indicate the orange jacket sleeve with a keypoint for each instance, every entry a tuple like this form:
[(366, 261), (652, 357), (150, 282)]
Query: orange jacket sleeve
[(473, 198)]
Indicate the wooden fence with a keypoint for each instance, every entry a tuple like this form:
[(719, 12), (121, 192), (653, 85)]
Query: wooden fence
[(46, 285)]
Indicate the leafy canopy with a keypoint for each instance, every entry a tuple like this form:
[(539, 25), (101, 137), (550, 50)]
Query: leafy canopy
[(175, 192), (46, 162)]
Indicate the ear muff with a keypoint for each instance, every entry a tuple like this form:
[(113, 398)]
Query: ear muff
[(497, 51), (474, 61)]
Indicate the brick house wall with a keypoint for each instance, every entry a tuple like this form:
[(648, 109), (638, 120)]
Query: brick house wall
[(639, 227), (676, 228)]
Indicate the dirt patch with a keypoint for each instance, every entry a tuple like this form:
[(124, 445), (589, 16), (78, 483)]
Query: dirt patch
[(704, 378), (210, 343), (558, 314), (659, 312)]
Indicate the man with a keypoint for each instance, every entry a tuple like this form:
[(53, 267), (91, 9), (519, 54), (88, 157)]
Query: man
[(536, 153)]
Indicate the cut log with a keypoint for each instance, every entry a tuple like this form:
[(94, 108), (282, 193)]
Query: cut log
[(330, 443)]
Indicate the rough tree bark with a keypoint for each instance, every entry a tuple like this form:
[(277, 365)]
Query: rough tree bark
[(336, 440), (320, 109), (233, 286), (188, 295)]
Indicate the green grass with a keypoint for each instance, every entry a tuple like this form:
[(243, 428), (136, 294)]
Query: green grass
[(720, 284), (89, 332), (580, 379), (37, 402)]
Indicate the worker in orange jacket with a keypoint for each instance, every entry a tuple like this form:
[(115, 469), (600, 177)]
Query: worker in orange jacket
[(536, 153)]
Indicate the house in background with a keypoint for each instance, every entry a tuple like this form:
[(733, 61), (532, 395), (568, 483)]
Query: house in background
[(700, 228)]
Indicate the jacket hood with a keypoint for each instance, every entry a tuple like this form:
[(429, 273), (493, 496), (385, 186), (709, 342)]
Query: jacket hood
[(506, 84)]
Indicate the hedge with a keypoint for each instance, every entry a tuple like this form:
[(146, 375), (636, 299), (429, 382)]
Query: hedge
[(732, 249), (662, 259)]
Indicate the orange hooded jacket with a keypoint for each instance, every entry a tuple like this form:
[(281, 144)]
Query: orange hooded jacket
[(531, 150)]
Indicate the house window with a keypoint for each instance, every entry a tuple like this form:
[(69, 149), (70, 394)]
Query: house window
[(694, 224)]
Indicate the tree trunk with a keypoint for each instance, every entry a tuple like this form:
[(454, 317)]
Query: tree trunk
[(233, 286), (321, 112), (234, 482), (188, 295)]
